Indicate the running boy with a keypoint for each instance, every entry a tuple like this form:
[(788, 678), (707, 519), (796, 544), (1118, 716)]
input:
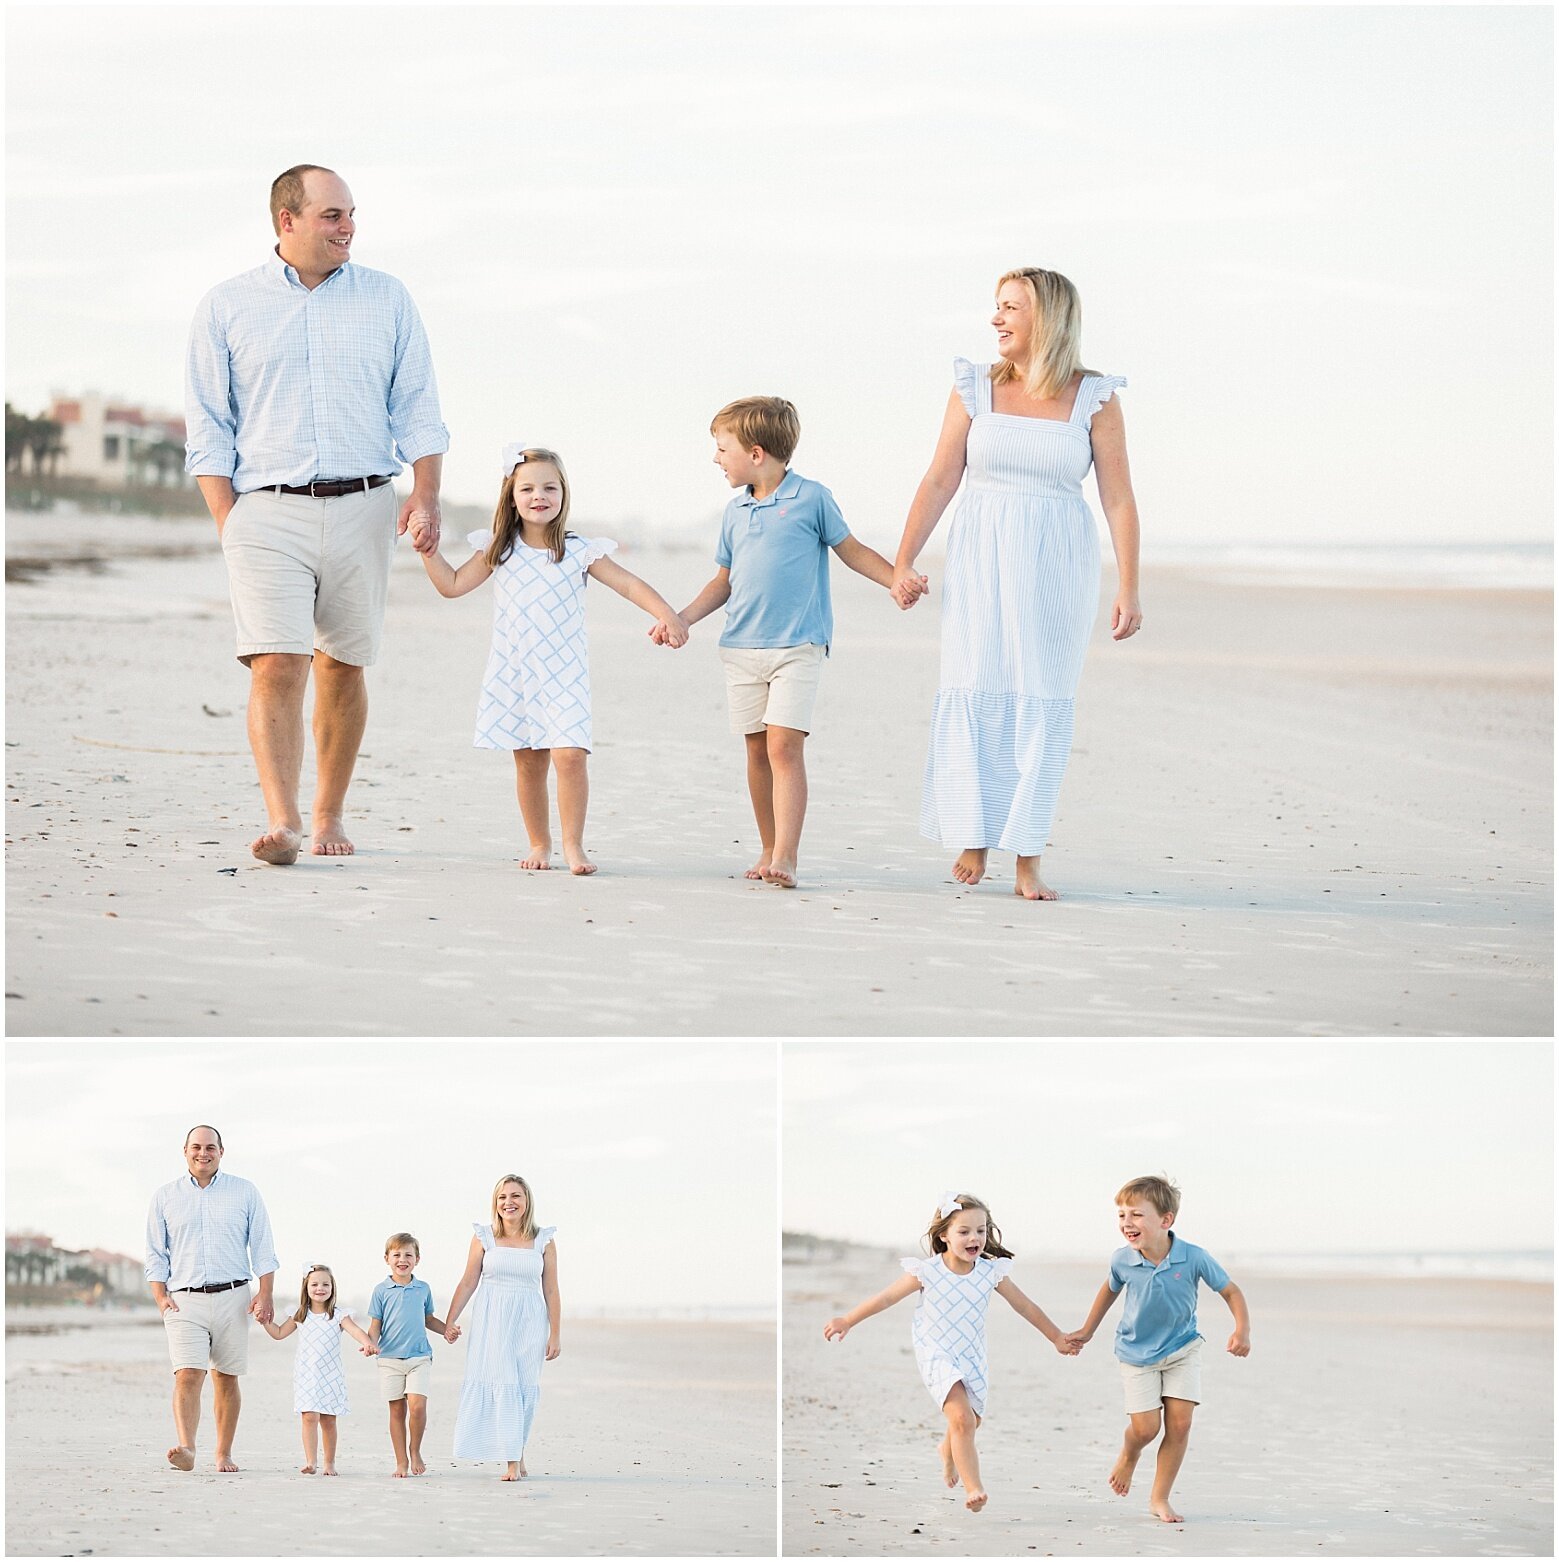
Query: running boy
[(1156, 1340), (773, 582), (400, 1314)]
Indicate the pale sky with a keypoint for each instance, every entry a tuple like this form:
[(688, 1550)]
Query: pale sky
[(1277, 1147), (656, 1161), (1316, 239)]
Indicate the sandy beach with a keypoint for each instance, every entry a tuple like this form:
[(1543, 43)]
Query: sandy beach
[(1290, 811), (1372, 1418), (653, 1439)]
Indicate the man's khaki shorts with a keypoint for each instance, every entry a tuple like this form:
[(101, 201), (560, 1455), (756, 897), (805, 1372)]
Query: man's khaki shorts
[(775, 688), (310, 574), (1175, 1377), (403, 1375), (210, 1329)]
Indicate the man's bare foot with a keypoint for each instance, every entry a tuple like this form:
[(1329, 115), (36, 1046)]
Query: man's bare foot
[(417, 1466), (1029, 884), (1162, 1510), (1120, 1476), (970, 866), (278, 847), (182, 1458), (781, 872), (307, 1469), (539, 856), (225, 1464), (976, 1500), (949, 1472), (760, 869), (576, 859), (329, 838)]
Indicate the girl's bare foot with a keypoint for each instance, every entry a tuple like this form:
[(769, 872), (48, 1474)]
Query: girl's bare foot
[(1162, 1510), (781, 872), (1120, 1476), (279, 846), (760, 869), (539, 856), (945, 1454), (182, 1458), (305, 1469), (976, 1500), (1029, 884), (329, 838), (578, 862), (970, 867)]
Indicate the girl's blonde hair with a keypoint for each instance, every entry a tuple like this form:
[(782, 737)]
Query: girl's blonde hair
[(936, 1232), (529, 1227), (1056, 348), (506, 519), (303, 1295)]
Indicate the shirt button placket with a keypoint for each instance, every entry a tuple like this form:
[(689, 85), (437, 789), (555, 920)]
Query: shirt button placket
[(317, 397)]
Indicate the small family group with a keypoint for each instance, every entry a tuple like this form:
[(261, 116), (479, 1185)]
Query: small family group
[(1156, 1342)]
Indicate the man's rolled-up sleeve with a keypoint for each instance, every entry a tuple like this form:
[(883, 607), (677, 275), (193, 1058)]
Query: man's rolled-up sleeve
[(211, 425), (415, 421), (158, 1267)]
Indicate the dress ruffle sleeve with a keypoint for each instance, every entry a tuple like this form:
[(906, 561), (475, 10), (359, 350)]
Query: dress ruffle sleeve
[(546, 1234), (485, 1233), (480, 540), (1000, 1268), (1098, 389), (589, 550), (964, 374), (914, 1266)]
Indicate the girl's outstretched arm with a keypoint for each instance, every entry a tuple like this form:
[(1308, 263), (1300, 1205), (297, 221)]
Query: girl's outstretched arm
[(369, 1348), (280, 1331), (645, 596), (447, 580), (1030, 1312), (837, 1328)]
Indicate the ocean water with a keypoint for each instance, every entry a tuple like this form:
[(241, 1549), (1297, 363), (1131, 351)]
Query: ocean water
[(1535, 1266), (1488, 567)]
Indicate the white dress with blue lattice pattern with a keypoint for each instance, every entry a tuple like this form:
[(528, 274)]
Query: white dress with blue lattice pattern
[(536, 692), (505, 1348), (948, 1328), (1019, 598), (318, 1383)]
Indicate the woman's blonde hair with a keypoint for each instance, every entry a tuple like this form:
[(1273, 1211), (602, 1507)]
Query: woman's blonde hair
[(303, 1295), (506, 519), (528, 1229), (936, 1232), (1056, 347)]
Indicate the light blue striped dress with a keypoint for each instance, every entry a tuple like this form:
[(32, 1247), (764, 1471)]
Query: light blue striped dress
[(1019, 598), (506, 1346)]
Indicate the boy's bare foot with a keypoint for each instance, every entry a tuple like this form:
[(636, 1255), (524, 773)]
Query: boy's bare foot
[(329, 838), (1162, 1510), (305, 1469), (781, 872), (225, 1465), (182, 1458), (976, 1500), (417, 1466), (1029, 884), (539, 855), (970, 866), (278, 847), (949, 1471), (576, 859), (760, 869), (1125, 1466)]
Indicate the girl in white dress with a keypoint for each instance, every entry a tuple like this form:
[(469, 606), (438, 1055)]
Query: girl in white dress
[(535, 697), (967, 1263), (318, 1383), (516, 1322)]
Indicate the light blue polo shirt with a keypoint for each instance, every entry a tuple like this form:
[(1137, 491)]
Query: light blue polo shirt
[(1159, 1313), (402, 1311), (777, 552)]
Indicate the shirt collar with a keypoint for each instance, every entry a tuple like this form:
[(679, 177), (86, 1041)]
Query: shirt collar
[(789, 487), (1142, 1258), (289, 274), (191, 1176)]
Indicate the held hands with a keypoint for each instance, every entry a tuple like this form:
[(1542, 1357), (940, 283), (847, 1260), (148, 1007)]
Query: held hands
[(1068, 1344), (908, 587), (1125, 616), (417, 509), (671, 631), (262, 1310), (1239, 1344), (835, 1329), (451, 1333), (370, 1349)]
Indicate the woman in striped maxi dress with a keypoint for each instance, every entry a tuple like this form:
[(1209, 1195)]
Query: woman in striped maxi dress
[(512, 1269), (1022, 585)]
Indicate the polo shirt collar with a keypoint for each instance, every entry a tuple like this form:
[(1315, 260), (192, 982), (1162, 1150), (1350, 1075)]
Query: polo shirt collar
[(790, 486), (1138, 1257)]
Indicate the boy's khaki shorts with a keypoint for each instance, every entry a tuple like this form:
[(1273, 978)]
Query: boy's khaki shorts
[(775, 688), (1175, 1377), (210, 1329), (403, 1375), (310, 574)]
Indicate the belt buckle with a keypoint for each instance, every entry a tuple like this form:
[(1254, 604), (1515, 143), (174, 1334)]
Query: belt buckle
[(312, 494)]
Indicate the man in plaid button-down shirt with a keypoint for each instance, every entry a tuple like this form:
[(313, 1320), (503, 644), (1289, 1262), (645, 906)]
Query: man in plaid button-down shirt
[(309, 383)]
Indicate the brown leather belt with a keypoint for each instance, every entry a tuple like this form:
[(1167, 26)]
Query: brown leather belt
[(347, 485)]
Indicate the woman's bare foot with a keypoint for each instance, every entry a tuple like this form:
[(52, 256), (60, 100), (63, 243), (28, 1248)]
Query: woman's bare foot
[(1162, 1510), (539, 856), (970, 866), (523, 1471), (278, 847), (976, 1500), (512, 1473), (578, 862), (182, 1458), (1029, 884), (1120, 1476), (330, 839), (781, 872), (760, 869), (305, 1469), (949, 1472)]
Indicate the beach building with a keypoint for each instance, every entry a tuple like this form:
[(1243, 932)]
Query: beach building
[(118, 445), (36, 1270)]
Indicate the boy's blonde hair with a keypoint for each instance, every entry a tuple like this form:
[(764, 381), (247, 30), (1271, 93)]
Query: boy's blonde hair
[(506, 519), (1056, 349), (403, 1239), (1160, 1192), (304, 1301), (936, 1232), (769, 422), (528, 1229)]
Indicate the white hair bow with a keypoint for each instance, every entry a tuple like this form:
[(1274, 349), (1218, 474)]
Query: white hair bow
[(513, 456), (948, 1205)]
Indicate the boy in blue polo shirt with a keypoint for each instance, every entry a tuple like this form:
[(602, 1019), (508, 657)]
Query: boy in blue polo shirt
[(772, 581), (400, 1314), (1156, 1340)]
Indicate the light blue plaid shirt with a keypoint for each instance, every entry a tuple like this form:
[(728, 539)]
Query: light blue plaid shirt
[(287, 384), (203, 1236)]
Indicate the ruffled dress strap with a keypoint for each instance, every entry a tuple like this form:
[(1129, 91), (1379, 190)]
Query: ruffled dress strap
[(546, 1234), (1092, 394), (485, 1233), (972, 381)]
